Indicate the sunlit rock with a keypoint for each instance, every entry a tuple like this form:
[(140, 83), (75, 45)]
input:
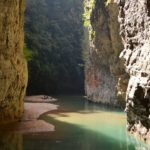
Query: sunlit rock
[(134, 18), (104, 68), (13, 67)]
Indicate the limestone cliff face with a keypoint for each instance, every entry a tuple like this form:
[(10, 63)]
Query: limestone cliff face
[(13, 68), (134, 18), (104, 68)]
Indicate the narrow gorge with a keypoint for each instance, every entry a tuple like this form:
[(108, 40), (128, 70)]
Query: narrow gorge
[(115, 42)]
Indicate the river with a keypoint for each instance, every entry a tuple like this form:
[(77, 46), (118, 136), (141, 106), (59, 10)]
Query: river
[(79, 125)]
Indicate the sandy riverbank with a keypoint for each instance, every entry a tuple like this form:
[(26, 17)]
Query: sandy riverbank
[(34, 107), (40, 99)]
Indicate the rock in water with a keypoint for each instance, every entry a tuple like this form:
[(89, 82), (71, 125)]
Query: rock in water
[(13, 67)]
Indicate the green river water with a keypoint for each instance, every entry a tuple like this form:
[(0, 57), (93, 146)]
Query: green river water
[(79, 125)]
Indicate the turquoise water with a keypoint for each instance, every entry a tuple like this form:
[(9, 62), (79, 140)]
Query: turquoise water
[(79, 125)]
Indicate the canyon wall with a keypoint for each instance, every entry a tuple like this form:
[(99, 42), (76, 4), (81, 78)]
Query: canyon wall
[(134, 18), (13, 67), (103, 67)]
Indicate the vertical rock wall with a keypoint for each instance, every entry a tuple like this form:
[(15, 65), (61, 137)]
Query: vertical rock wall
[(13, 68), (134, 18), (103, 68)]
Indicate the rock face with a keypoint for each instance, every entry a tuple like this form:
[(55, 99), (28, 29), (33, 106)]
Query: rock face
[(103, 67), (13, 68), (134, 18)]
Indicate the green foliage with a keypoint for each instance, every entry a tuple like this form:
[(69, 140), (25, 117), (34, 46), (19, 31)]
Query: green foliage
[(27, 53), (89, 33), (54, 31), (88, 7)]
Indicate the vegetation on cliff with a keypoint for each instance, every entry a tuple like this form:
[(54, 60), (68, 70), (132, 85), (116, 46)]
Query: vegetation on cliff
[(27, 53), (54, 34), (103, 67)]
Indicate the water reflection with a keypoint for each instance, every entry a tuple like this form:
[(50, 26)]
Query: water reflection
[(11, 141), (80, 126), (87, 126)]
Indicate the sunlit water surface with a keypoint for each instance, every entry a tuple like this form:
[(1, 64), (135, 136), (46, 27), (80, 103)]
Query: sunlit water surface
[(79, 125)]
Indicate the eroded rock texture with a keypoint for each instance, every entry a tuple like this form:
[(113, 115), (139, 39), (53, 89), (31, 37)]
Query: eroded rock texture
[(104, 68), (134, 18), (13, 71)]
